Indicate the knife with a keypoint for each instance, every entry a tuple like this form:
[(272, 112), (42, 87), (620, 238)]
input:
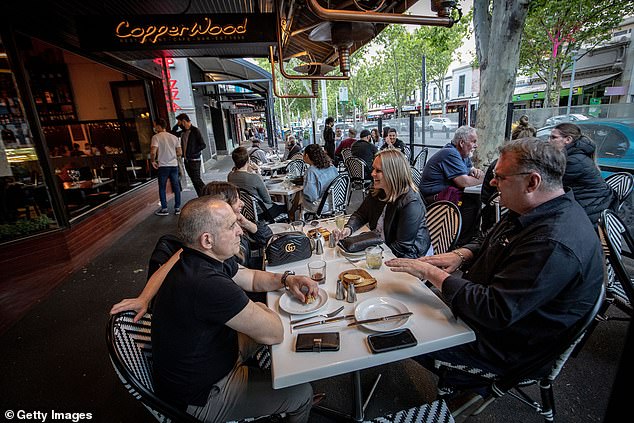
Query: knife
[(382, 319), (324, 321)]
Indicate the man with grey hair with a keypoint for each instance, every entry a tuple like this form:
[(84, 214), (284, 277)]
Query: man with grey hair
[(204, 326), (525, 285), (446, 175)]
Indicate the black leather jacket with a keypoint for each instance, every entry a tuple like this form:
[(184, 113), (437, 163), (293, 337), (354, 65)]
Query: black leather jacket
[(195, 144), (404, 225)]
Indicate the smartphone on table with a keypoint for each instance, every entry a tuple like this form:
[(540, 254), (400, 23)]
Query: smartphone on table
[(394, 340)]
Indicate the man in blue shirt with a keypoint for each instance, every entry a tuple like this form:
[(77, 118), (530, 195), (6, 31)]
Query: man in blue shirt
[(448, 172)]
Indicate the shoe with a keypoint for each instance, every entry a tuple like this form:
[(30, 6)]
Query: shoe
[(177, 211), (161, 212)]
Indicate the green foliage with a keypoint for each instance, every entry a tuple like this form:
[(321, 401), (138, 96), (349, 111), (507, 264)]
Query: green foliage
[(23, 227), (556, 29)]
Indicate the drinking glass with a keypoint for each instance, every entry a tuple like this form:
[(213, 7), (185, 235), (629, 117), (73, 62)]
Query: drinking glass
[(317, 271), (374, 257), (298, 225), (340, 220)]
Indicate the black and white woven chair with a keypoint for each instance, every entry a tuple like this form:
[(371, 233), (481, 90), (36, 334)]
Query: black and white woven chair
[(443, 222), (435, 412), (358, 178), (251, 207), (619, 285), (297, 156), (336, 196), (622, 184), (130, 350), (495, 209), (296, 167), (346, 153), (514, 382), (416, 175), (421, 159)]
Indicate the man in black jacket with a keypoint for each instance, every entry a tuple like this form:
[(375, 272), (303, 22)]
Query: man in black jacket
[(329, 138), (192, 143), (365, 150)]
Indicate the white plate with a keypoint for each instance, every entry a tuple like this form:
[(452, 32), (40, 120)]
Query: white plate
[(380, 307), (292, 305), (279, 227), (351, 255)]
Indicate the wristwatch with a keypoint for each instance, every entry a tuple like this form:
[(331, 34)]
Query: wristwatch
[(285, 275)]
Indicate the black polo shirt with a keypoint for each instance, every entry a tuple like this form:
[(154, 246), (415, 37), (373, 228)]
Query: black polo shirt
[(192, 346)]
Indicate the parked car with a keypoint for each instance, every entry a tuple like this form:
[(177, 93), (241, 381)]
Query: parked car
[(614, 139), (573, 117), (442, 124)]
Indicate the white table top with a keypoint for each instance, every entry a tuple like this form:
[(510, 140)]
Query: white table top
[(274, 165), (476, 189), (432, 323), (280, 189)]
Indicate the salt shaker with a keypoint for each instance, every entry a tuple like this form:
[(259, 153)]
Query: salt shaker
[(319, 247), (341, 292), (352, 294)]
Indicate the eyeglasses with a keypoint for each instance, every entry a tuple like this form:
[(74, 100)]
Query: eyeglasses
[(499, 177)]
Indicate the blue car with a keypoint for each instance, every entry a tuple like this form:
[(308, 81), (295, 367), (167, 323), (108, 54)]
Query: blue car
[(614, 139)]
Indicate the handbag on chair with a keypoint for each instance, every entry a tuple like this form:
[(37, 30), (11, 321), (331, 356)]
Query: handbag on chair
[(287, 247)]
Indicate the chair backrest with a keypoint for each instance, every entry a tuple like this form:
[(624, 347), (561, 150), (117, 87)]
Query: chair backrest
[(346, 153), (130, 350), (622, 184), (297, 156), (614, 233), (296, 167), (421, 159), (337, 194), (250, 209), (416, 175), (356, 168), (443, 222)]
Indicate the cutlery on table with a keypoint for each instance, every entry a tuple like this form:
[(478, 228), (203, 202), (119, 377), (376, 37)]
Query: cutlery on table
[(354, 263), (331, 314), (324, 321), (382, 319)]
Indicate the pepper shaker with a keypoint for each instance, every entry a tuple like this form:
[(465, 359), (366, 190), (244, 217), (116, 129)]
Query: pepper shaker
[(352, 294), (341, 292)]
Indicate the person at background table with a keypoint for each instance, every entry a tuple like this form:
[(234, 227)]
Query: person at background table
[(383, 140), (293, 147), (365, 150), (393, 142), (534, 275), (244, 176), (318, 176), (393, 209), (522, 130), (204, 327), (165, 149), (338, 137), (256, 151), (347, 143), (375, 139), (448, 172), (192, 144), (582, 173), (329, 137)]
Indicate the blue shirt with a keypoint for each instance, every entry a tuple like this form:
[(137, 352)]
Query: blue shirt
[(441, 168), (315, 183)]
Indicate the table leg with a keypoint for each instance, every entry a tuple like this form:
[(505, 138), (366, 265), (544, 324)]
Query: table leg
[(358, 404)]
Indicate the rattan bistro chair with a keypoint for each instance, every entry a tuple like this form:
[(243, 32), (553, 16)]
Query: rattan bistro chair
[(622, 184), (130, 349), (296, 167), (619, 285), (520, 377), (416, 175), (443, 222), (336, 196), (434, 412), (421, 159)]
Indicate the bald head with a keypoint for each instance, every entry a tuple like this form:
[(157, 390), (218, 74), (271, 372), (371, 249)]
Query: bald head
[(202, 215)]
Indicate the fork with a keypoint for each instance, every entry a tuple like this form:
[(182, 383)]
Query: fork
[(331, 314)]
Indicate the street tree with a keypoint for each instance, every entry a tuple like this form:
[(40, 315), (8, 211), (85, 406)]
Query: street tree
[(439, 46), (555, 30), (498, 28)]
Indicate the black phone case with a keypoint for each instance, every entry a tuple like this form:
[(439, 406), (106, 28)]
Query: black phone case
[(317, 342), (397, 346)]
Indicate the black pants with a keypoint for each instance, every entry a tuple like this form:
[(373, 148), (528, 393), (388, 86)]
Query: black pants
[(193, 171)]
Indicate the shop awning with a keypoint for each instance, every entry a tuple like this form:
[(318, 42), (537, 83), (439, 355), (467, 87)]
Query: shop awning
[(388, 110), (565, 85)]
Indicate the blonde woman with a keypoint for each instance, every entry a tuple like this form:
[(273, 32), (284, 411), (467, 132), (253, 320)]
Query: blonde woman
[(393, 209)]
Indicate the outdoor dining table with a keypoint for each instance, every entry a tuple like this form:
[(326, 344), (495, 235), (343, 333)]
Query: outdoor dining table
[(432, 323), (284, 189), (273, 166)]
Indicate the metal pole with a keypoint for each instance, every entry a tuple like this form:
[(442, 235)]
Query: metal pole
[(572, 83), (423, 90)]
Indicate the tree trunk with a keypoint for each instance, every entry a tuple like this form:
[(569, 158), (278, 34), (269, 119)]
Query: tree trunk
[(498, 39)]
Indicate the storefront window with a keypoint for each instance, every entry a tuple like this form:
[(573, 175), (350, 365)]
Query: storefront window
[(25, 201)]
